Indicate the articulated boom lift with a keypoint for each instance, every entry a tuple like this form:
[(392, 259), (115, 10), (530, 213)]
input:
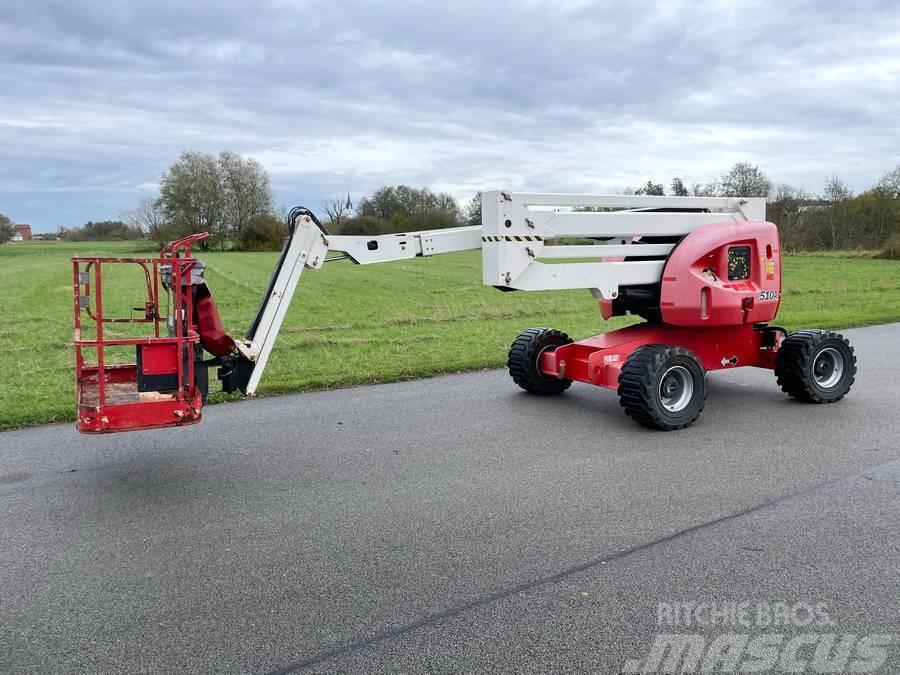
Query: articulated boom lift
[(704, 273)]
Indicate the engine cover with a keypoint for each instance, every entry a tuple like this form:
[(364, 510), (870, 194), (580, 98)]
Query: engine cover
[(723, 274)]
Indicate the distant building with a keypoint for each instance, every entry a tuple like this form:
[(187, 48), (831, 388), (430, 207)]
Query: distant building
[(23, 232)]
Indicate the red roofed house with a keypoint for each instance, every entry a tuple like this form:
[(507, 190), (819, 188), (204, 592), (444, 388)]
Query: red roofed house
[(23, 230)]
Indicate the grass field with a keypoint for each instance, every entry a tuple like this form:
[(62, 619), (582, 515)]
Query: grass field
[(350, 325)]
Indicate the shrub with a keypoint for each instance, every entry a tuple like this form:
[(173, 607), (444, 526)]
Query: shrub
[(892, 248), (365, 225), (432, 220), (263, 233)]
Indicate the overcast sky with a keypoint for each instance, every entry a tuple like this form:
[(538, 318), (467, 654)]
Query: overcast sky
[(98, 98)]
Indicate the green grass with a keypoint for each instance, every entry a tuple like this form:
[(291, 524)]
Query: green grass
[(350, 324)]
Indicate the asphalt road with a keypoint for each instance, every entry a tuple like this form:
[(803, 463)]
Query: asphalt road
[(450, 524)]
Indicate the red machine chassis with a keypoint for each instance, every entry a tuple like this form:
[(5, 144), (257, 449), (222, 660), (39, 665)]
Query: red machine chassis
[(598, 360)]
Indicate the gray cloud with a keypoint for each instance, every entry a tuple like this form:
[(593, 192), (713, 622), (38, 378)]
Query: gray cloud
[(96, 99)]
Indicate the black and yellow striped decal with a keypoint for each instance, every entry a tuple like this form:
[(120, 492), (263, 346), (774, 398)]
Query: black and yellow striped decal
[(512, 238)]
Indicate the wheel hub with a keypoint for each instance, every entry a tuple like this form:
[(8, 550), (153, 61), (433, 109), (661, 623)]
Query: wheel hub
[(828, 367), (676, 388)]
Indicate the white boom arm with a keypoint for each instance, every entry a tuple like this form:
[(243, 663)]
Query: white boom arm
[(514, 235), (307, 248), (386, 247)]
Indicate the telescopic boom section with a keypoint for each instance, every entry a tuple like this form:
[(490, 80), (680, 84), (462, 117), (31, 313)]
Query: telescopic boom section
[(627, 232)]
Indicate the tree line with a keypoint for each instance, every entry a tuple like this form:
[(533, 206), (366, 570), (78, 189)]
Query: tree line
[(834, 219), (230, 197), (399, 208), (103, 230), (226, 195), (831, 220)]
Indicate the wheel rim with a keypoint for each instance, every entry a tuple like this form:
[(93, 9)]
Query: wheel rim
[(676, 389), (828, 368), (537, 362)]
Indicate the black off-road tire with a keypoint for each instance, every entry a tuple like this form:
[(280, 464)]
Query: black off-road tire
[(646, 388), (816, 366), (523, 361)]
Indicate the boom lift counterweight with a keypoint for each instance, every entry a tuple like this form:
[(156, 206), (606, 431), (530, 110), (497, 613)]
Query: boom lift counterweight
[(705, 274)]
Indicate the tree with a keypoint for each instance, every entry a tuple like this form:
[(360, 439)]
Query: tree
[(836, 191), (472, 213), (652, 189), (840, 222), (7, 228), (877, 213), (786, 208), (192, 196), (745, 180), (337, 210), (380, 204), (204, 193), (710, 189), (890, 182), (247, 194), (679, 189), (148, 216)]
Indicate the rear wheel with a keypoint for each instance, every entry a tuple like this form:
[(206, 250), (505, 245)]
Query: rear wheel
[(524, 355), (817, 366), (663, 387)]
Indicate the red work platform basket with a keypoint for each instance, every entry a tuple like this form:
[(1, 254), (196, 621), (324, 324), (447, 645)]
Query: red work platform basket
[(159, 388)]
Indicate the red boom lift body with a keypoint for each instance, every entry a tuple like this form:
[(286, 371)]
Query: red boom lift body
[(712, 302), (705, 274)]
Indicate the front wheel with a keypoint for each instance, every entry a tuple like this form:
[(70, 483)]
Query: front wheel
[(663, 387), (817, 366), (524, 357)]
